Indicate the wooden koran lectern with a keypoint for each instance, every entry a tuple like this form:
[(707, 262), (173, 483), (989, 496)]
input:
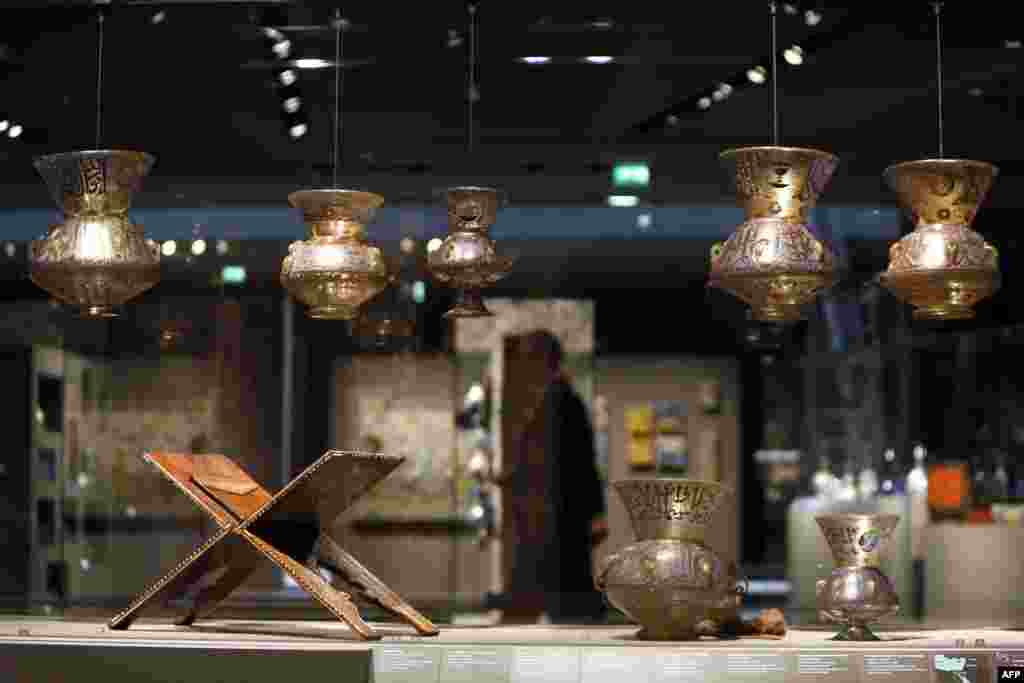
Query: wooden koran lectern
[(286, 528)]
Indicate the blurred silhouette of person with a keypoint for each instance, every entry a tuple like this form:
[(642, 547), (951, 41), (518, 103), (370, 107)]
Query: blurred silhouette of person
[(556, 496)]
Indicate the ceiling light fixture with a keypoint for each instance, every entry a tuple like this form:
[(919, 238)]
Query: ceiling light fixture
[(282, 48), (222, 247), (789, 8), (287, 77), (535, 60), (721, 92), (623, 201), (198, 247), (812, 17), (794, 55), (757, 75), (773, 262), (169, 248), (943, 267), (15, 131), (4, 125), (273, 34), (1012, 44), (602, 24), (292, 104), (311, 63), (599, 59), (298, 130), (704, 103), (95, 259)]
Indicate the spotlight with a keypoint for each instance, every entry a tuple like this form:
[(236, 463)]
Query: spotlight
[(789, 8), (407, 245), (434, 244), (644, 221), (198, 247), (794, 55), (169, 248), (292, 104), (602, 24), (723, 91), (535, 60), (623, 201), (14, 131), (672, 120), (758, 75), (812, 17), (298, 130), (222, 247), (704, 103), (599, 59), (975, 92), (287, 77), (282, 48), (273, 34), (311, 63), (4, 125), (158, 18)]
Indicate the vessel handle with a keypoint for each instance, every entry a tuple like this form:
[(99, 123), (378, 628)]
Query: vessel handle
[(602, 570)]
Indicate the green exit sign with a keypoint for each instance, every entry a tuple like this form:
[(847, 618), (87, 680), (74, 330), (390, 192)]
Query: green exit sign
[(632, 174)]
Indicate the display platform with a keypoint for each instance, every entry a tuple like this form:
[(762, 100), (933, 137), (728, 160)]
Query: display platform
[(46, 649)]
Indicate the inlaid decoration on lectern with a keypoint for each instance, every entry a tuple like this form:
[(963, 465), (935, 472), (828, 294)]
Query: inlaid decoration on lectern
[(467, 259), (856, 593), (943, 267), (669, 581), (96, 259), (773, 261), (290, 529), (335, 271)]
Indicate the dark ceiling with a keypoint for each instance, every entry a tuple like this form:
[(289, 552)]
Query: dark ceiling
[(196, 88)]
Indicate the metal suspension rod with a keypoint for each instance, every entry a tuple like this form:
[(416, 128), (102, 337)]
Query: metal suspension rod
[(937, 6), (773, 19), (99, 76), (338, 23)]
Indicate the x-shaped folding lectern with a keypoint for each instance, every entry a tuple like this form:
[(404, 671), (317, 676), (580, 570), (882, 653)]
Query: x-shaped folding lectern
[(286, 528)]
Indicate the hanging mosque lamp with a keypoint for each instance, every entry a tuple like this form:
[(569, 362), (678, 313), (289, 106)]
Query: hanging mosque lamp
[(96, 259), (773, 261), (335, 271), (943, 267)]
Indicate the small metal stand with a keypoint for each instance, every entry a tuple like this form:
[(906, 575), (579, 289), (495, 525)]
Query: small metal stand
[(285, 528)]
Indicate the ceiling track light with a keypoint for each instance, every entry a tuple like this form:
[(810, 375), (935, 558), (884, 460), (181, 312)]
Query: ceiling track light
[(794, 55), (599, 59), (757, 75)]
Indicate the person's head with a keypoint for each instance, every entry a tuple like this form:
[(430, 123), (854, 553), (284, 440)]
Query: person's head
[(546, 347)]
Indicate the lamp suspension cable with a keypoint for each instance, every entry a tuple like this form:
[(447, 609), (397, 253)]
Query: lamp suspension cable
[(773, 30), (99, 75), (471, 88), (937, 6), (338, 84)]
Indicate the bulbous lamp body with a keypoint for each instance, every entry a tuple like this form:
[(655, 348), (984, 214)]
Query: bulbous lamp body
[(773, 262), (96, 259), (335, 271), (943, 267), (467, 259)]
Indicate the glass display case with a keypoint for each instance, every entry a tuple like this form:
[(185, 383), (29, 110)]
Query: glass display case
[(620, 395)]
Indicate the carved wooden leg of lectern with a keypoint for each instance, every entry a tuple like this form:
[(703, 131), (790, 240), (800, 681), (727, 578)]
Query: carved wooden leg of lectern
[(350, 571), (337, 602)]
